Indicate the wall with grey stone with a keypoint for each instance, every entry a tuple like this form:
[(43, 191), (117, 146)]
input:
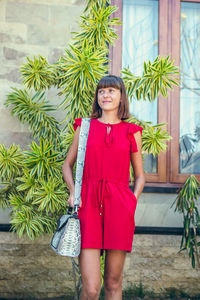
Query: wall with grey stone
[(27, 28), (32, 269)]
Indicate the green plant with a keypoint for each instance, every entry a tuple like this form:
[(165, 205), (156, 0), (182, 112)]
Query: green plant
[(33, 184), (96, 26), (157, 78), (38, 73), (34, 111), (187, 204)]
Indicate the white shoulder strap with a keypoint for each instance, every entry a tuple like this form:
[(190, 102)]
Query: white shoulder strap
[(83, 136)]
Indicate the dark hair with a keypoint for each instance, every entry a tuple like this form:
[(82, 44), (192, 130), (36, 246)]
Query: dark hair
[(117, 83)]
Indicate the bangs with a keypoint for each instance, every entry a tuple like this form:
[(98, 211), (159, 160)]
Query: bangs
[(110, 81), (117, 83)]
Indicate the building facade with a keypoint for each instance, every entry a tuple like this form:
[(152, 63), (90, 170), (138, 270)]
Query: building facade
[(150, 28)]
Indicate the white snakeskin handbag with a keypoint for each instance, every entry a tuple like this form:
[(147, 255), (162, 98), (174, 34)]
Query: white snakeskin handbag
[(66, 240)]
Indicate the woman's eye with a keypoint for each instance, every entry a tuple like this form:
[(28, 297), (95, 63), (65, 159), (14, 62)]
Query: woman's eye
[(111, 90)]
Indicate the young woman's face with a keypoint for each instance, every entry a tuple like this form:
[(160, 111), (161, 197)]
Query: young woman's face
[(109, 98)]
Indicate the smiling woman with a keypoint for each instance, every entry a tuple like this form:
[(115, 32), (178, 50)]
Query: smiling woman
[(109, 99), (111, 88), (112, 144)]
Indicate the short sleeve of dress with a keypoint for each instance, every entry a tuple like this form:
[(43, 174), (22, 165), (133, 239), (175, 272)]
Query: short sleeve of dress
[(77, 122), (133, 128)]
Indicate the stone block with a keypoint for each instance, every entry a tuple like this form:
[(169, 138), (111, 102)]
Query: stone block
[(142, 240), (147, 253), (9, 122), (2, 11), (55, 54), (48, 35), (4, 37), (62, 14), (11, 250), (170, 274), (56, 261), (10, 73), (166, 240), (26, 12), (169, 251), (15, 33), (51, 2), (33, 250), (12, 54), (22, 139), (183, 262)]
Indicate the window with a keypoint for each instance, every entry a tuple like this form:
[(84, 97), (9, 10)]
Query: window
[(152, 27), (139, 44)]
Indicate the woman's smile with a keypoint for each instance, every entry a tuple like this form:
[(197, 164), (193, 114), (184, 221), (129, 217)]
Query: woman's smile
[(109, 98)]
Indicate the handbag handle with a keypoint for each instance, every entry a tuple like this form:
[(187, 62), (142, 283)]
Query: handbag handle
[(83, 136)]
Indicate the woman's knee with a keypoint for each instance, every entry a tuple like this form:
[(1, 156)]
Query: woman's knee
[(112, 283), (92, 290)]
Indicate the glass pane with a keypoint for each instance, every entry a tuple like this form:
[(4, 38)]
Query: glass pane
[(190, 89), (140, 43)]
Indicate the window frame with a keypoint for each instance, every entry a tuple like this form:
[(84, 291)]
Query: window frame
[(169, 26)]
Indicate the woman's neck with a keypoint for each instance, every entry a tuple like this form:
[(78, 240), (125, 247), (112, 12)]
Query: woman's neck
[(109, 118)]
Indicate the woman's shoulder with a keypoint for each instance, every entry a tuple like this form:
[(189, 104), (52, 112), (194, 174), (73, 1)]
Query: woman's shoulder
[(132, 127), (77, 122)]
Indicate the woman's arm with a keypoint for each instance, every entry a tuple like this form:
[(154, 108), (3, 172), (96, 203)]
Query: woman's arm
[(137, 163), (68, 166)]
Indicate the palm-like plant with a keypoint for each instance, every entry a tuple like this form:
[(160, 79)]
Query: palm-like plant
[(33, 110), (187, 204), (78, 72), (10, 162), (156, 79), (37, 193), (27, 220), (38, 73), (96, 26), (91, 3), (154, 138), (42, 160)]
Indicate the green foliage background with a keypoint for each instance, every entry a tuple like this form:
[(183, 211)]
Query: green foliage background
[(32, 181), (186, 203)]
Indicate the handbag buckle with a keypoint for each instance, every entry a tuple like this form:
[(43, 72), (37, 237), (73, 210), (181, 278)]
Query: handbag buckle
[(76, 207)]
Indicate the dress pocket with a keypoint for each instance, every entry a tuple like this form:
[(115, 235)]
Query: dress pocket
[(129, 200), (133, 199)]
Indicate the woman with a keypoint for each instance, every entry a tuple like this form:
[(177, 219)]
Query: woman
[(107, 204)]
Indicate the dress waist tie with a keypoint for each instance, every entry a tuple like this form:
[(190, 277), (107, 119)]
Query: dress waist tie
[(100, 194)]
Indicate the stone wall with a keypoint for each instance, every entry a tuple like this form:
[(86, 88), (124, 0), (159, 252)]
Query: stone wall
[(32, 269), (27, 28)]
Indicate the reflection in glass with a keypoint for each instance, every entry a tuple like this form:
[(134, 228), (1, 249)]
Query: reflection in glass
[(140, 43), (190, 89)]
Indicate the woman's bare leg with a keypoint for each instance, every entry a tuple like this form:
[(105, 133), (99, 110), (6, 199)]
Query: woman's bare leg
[(89, 261), (114, 263)]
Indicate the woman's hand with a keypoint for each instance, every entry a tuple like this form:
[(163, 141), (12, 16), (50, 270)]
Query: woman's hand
[(137, 163), (71, 200)]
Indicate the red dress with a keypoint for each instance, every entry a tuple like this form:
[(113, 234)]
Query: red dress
[(108, 204)]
